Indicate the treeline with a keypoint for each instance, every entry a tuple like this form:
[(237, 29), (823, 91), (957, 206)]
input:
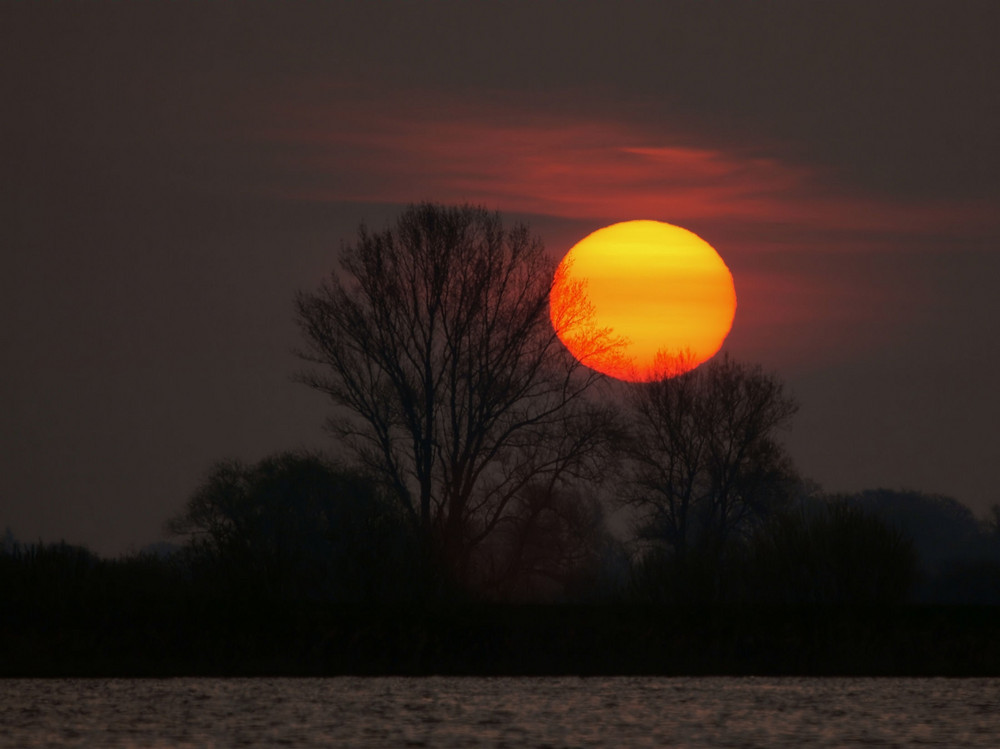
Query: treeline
[(503, 507), (297, 565), (111, 622), (297, 527)]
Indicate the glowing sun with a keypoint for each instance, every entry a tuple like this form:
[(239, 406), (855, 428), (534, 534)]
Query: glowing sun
[(642, 300)]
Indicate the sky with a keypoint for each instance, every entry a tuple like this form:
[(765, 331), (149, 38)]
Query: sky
[(173, 173)]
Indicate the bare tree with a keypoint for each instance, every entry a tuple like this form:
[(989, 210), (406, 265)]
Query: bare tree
[(435, 344), (706, 459)]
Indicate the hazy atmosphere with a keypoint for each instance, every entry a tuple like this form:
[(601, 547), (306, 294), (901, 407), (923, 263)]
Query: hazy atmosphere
[(175, 173)]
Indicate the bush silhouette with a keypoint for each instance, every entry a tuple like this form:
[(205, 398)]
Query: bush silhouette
[(836, 554), (295, 526)]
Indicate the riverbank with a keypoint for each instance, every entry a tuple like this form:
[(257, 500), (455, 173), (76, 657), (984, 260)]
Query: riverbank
[(225, 638)]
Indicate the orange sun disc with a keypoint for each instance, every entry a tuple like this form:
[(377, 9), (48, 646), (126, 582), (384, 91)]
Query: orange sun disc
[(642, 300)]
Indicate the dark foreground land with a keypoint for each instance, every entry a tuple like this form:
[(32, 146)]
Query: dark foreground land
[(223, 638)]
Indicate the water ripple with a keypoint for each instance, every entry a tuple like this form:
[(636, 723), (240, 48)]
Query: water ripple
[(499, 712)]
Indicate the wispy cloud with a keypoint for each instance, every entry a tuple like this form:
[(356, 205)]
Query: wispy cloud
[(804, 252), (526, 161)]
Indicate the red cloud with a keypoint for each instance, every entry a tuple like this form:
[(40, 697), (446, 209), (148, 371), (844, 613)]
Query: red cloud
[(801, 311), (565, 166)]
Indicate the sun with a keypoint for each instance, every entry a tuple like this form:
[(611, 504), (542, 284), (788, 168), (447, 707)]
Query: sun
[(642, 300)]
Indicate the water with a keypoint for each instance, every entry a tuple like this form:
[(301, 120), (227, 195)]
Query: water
[(500, 712)]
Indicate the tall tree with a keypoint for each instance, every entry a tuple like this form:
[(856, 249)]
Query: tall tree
[(706, 458), (434, 343)]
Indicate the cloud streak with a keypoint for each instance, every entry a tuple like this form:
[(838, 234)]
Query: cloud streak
[(828, 297), (532, 161)]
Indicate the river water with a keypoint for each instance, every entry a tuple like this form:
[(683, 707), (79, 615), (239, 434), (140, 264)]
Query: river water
[(500, 712)]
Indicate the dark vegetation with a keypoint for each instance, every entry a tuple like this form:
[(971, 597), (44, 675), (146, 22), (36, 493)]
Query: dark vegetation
[(499, 508)]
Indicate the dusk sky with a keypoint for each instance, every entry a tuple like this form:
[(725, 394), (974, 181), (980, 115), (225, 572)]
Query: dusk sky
[(174, 172)]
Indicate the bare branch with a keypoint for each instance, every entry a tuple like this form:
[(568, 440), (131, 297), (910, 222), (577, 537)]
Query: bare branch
[(435, 344)]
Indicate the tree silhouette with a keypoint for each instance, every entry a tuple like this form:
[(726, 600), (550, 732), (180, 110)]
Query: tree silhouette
[(294, 526), (550, 546), (435, 345), (706, 463), (837, 554), (942, 528), (958, 554)]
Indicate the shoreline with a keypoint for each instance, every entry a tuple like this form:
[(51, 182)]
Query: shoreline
[(506, 640)]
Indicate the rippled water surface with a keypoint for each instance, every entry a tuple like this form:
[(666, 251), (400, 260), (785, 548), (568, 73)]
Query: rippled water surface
[(498, 712)]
